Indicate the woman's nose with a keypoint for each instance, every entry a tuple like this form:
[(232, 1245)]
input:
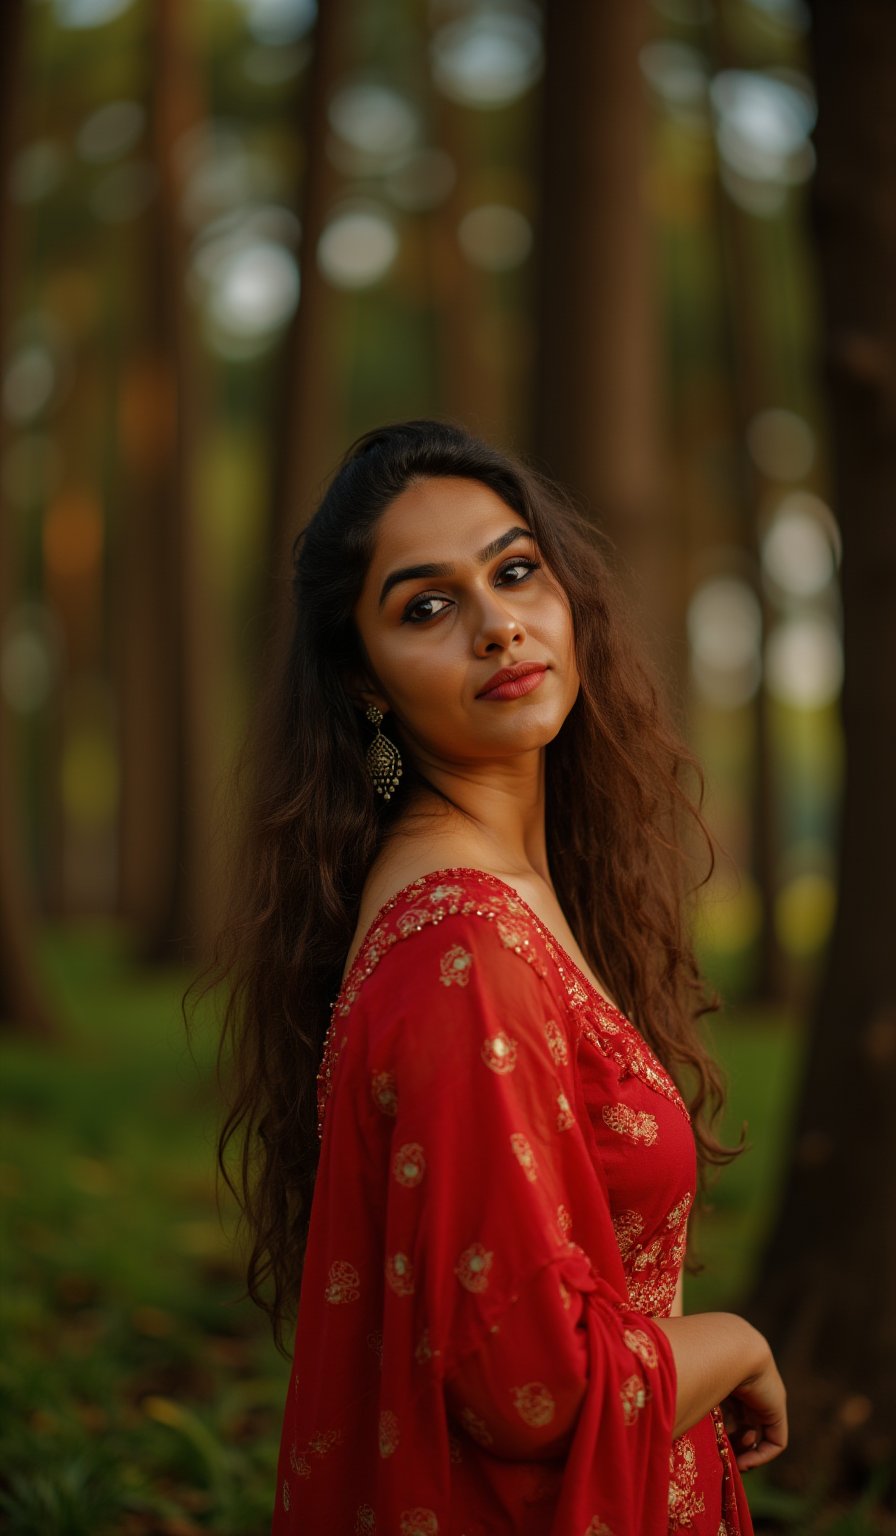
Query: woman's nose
[(499, 627)]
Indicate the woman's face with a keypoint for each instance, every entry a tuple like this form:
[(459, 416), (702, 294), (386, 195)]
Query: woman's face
[(456, 592)]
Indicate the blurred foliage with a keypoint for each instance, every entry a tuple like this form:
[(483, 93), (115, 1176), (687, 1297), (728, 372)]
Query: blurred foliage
[(139, 1395)]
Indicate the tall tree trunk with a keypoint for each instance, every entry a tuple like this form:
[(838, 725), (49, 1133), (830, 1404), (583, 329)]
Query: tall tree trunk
[(472, 383), (308, 420), (597, 410), (827, 1292), (168, 881), (746, 376), (22, 1002)]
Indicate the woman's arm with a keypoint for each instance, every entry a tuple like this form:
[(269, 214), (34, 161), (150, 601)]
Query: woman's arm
[(719, 1355)]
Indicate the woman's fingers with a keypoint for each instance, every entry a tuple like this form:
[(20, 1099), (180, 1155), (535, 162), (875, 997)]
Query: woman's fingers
[(763, 1454), (759, 1453)]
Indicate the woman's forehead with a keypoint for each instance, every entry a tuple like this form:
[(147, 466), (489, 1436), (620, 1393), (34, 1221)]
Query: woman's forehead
[(442, 519)]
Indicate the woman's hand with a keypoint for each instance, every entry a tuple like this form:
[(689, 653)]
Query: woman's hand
[(721, 1358), (756, 1417)]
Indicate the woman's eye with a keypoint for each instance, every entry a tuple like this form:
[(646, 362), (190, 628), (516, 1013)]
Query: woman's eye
[(526, 566), (422, 609), (412, 615)]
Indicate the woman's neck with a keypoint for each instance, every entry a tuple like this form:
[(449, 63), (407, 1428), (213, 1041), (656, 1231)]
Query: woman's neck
[(486, 823)]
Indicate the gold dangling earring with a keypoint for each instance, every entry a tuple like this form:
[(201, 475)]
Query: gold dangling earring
[(383, 758)]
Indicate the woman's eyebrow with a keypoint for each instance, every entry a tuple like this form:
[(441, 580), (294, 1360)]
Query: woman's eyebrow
[(437, 569)]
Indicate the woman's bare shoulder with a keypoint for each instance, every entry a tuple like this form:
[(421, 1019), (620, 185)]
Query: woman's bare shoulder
[(395, 868)]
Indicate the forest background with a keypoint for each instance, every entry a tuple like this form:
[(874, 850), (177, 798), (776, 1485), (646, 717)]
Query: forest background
[(651, 246)]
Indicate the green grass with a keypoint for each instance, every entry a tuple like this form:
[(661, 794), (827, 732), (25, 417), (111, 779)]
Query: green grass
[(140, 1396), (761, 1055), (138, 1393)]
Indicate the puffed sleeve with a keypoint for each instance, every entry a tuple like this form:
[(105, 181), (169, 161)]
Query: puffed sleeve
[(504, 1284)]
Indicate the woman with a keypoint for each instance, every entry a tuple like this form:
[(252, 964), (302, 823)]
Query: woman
[(461, 1005)]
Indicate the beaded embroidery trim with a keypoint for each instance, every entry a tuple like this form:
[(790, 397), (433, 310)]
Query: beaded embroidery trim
[(599, 1020), (730, 1524)]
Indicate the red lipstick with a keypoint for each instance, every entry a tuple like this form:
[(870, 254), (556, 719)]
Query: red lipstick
[(513, 682)]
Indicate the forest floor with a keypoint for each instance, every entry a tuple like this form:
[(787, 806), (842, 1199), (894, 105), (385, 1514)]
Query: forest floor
[(140, 1396)]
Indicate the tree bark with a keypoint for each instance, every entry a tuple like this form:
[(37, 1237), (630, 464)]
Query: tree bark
[(748, 390), (597, 408), (23, 1005), (167, 869), (308, 422), (472, 380), (827, 1292)]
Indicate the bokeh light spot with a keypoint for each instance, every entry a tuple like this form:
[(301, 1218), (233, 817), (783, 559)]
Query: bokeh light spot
[(793, 14), (254, 289), (781, 444), (490, 58), (223, 174), (676, 72), (244, 272), (357, 247), (724, 624), (37, 171), (27, 675), (373, 119), (797, 554), (804, 662), (495, 237), (763, 122), (268, 223), (30, 653), (89, 13), (29, 383), (111, 131), (275, 22)]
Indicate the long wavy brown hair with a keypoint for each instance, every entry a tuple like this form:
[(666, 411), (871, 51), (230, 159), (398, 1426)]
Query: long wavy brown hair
[(623, 834)]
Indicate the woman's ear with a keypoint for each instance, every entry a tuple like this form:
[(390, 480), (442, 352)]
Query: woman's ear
[(363, 692)]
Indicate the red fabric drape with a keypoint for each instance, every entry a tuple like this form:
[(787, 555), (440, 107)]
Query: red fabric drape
[(500, 1214)]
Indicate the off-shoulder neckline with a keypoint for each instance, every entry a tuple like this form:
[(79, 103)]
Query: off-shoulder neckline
[(601, 1018), (450, 870)]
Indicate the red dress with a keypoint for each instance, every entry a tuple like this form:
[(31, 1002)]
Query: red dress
[(499, 1215)]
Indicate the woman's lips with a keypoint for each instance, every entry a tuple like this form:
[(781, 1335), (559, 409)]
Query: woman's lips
[(515, 687)]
